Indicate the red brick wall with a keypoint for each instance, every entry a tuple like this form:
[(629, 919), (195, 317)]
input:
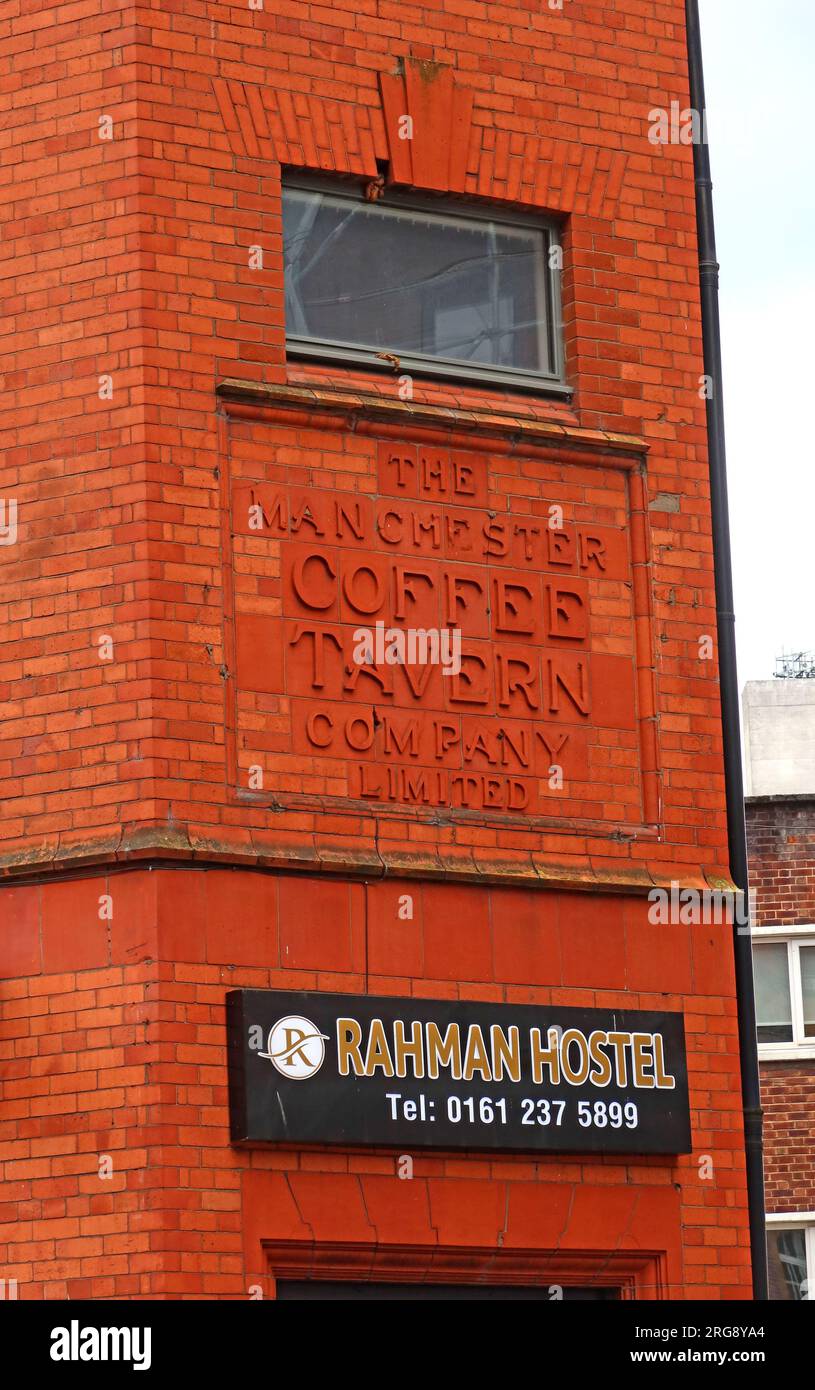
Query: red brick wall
[(788, 1100), (122, 1053), (781, 845), (781, 849), (132, 263)]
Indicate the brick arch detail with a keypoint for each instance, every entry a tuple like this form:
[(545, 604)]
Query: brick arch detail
[(451, 149)]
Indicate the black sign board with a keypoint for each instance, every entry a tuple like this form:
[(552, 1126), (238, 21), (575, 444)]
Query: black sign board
[(310, 1068)]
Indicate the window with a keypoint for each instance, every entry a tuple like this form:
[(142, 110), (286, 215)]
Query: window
[(784, 967), (791, 1258), (445, 289)]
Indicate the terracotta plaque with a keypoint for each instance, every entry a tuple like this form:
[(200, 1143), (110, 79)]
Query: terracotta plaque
[(415, 646)]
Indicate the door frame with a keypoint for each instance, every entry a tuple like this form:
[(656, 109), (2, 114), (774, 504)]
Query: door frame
[(640, 1275)]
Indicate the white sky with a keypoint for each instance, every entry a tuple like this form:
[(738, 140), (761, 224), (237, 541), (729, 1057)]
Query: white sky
[(760, 80)]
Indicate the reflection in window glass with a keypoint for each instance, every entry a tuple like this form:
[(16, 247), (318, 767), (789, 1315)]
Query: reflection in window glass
[(787, 1257), (773, 1008), (807, 959), (417, 283)]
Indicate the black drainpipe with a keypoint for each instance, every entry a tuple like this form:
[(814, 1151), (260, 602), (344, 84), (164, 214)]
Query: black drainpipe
[(728, 679)]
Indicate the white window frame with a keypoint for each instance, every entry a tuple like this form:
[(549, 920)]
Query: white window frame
[(801, 1048), (791, 1221)]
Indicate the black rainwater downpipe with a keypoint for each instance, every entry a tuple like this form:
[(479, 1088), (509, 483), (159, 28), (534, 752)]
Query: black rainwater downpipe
[(728, 679)]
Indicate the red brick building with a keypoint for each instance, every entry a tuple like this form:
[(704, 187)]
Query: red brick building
[(781, 839), (221, 471)]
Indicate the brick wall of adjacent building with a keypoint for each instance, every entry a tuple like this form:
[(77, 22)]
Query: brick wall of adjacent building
[(128, 725), (781, 848), (781, 845), (788, 1100)]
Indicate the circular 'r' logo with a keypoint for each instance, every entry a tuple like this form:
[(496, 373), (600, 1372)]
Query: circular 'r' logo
[(296, 1047)]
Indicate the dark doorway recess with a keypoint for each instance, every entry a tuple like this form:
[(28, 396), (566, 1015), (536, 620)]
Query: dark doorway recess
[(467, 1293)]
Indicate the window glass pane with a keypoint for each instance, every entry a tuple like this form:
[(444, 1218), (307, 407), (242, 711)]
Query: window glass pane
[(406, 281), (806, 956), (773, 1011), (787, 1259)]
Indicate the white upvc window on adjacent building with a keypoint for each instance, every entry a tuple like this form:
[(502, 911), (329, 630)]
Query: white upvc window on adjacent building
[(784, 969), (791, 1257)]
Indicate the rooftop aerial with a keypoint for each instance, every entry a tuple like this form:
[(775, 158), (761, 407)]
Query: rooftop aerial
[(796, 666)]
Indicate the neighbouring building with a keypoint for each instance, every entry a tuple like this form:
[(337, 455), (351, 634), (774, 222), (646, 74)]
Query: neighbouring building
[(779, 731), (327, 963)]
